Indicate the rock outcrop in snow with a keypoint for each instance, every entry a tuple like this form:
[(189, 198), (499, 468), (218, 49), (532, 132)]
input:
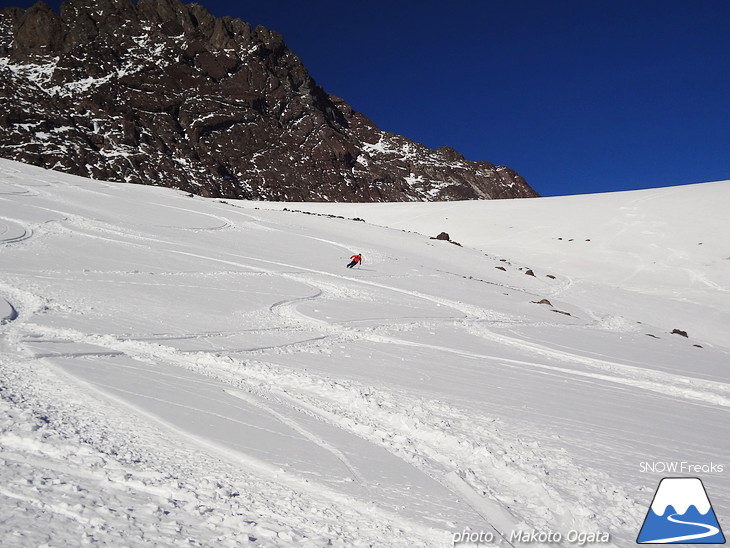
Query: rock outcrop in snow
[(159, 92)]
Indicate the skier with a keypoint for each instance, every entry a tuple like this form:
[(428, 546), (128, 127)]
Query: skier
[(356, 259)]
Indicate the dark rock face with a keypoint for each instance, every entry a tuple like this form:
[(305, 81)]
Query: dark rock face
[(163, 93)]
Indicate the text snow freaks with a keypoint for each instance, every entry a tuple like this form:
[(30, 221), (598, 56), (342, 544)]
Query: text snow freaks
[(573, 537), (664, 467)]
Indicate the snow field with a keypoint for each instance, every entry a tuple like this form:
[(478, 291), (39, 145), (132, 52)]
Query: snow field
[(187, 371)]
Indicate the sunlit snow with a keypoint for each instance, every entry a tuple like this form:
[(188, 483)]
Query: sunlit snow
[(184, 371)]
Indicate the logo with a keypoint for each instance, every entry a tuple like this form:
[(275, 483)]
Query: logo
[(681, 513)]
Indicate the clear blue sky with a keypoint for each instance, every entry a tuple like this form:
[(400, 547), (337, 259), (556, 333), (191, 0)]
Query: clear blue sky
[(576, 95)]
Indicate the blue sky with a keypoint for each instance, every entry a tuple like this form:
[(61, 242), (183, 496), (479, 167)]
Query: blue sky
[(576, 95)]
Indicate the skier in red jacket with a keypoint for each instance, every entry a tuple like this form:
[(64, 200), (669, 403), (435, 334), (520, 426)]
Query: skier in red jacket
[(356, 259)]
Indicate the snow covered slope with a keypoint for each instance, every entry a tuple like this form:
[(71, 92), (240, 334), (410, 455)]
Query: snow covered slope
[(183, 371)]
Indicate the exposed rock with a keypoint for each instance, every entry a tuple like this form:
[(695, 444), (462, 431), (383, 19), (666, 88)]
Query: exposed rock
[(543, 301), (529, 272), (163, 93), (679, 332), (444, 236)]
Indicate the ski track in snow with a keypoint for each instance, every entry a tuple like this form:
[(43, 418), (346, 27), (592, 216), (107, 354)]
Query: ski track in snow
[(287, 310), (306, 433), (127, 474), (673, 385), (7, 311), (12, 232)]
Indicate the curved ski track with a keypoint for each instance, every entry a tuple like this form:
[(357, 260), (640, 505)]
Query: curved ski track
[(414, 428)]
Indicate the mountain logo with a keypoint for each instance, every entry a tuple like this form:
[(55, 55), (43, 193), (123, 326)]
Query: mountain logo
[(681, 513)]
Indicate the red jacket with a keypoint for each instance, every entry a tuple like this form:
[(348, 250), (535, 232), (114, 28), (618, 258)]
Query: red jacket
[(356, 258)]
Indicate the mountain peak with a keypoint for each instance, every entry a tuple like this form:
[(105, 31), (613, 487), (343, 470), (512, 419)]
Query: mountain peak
[(679, 494), (161, 92)]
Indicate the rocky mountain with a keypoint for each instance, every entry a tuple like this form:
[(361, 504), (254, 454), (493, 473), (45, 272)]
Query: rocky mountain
[(163, 93)]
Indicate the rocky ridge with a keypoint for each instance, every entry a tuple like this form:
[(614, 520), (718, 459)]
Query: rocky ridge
[(160, 92)]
